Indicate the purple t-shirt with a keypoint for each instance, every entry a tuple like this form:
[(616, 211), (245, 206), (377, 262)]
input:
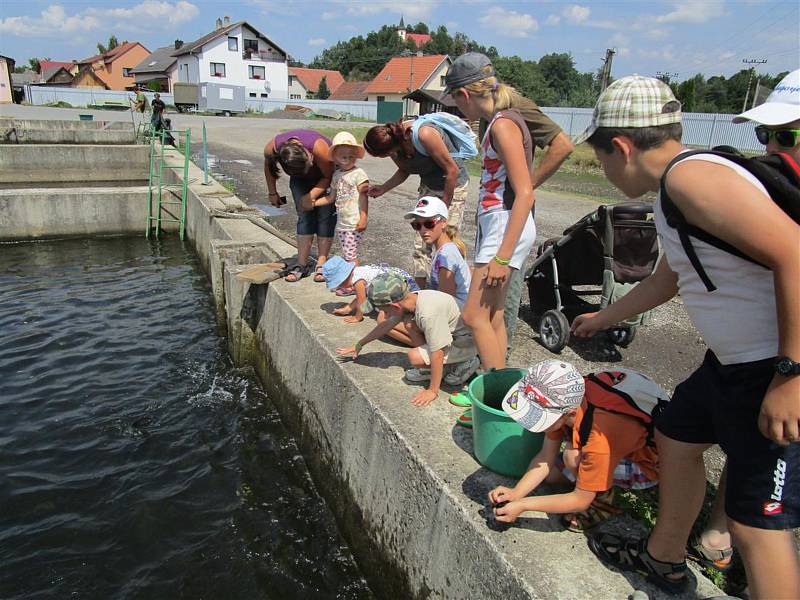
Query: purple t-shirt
[(307, 137)]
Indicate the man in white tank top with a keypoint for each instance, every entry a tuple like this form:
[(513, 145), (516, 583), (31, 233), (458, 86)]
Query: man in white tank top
[(746, 394)]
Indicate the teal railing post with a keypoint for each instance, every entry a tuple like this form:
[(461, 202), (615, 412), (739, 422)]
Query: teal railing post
[(185, 181), (205, 156)]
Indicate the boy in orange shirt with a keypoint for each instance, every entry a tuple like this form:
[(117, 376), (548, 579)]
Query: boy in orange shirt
[(614, 450)]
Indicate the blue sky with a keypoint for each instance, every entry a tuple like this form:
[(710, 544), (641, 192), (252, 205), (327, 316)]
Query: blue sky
[(708, 36)]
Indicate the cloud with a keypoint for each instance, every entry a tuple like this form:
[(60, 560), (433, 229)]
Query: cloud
[(509, 22), (575, 13), (54, 21), (693, 12), (411, 10), (150, 13), (552, 20), (51, 22), (316, 42), (328, 15)]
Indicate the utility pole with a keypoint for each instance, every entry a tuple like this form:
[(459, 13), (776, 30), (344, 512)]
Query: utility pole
[(606, 74), (752, 62), (666, 76)]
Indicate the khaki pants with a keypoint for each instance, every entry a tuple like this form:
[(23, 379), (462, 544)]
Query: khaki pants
[(422, 251)]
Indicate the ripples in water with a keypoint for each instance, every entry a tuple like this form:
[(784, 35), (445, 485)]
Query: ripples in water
[(135, 462)]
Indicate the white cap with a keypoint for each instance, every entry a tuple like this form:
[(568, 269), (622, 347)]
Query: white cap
[(429, 206), (547, 391), (781, 107)]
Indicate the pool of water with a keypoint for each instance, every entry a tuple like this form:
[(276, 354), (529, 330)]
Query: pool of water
[(135, 461)]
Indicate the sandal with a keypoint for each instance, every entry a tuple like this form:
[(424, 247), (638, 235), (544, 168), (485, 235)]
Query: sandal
[(297, 272), (633, 556), (711, 558), (318, 276), (465, 420), (600, 510), (461, 399)]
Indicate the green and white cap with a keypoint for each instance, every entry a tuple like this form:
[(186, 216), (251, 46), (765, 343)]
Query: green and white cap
[(633, 102), (385, 289)]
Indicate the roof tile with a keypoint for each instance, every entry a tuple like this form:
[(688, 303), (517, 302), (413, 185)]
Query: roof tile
[(310, 78), (396, 76)]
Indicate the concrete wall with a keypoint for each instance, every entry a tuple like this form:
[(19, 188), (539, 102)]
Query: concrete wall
[(22, 131), (42, 163), (38, 213)]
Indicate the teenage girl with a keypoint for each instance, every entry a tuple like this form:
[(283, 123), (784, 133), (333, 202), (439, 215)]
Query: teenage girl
[(505, 228)]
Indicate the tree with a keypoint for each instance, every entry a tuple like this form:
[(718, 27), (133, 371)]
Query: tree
[(33, 63), (112, 43), (322, 90), (420, 28), (559, 72), (525, 77)]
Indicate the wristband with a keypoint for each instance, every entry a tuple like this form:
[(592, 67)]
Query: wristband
[(358, 346), (501, 261)]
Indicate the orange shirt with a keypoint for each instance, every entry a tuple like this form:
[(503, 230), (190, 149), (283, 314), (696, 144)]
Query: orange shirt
[(612, 438)]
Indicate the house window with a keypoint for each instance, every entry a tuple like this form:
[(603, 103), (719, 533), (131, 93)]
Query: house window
[(381, 98), (233, 44), (250, 48), (257, 72), (442, 81), (295, 97), (217, 69), (264, 95), (253, 95), (126, 71), (291, 80)]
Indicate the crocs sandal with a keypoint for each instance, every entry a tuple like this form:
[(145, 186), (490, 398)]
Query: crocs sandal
[(633, 556), (461, 399), (465, 419), (297, 272), (600, 510), (711, 558)]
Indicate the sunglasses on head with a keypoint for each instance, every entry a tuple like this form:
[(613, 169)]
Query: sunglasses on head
[(417, 225), (785, 137)]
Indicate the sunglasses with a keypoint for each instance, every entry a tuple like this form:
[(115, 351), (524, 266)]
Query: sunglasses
[(417, 225), (785, 137)]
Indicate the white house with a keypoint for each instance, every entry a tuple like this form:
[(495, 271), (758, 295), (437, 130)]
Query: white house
[(236, 54)]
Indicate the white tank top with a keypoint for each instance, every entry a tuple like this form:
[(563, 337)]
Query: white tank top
[(738, 320)]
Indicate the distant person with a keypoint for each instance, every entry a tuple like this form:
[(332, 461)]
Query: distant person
[(157, 118), (738, 274), (140, 102), (304, 155), (505, 228), (349, 194), (435, 330), (779, 117), (440, 174)]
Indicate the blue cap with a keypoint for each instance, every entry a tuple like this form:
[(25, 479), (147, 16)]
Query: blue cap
[(335, 270)]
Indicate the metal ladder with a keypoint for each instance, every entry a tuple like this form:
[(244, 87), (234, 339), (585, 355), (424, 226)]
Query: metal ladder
[(176, 193)]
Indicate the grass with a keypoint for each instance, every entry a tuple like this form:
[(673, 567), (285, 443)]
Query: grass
[(59, 104), (229, 185)]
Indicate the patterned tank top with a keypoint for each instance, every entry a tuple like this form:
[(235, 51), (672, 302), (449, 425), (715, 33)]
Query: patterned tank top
[(496, 192)]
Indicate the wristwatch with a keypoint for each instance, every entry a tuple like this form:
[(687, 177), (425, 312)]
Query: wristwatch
[(786, 366)]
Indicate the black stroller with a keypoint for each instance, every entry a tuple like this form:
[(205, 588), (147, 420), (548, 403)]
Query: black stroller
[(615, 247)]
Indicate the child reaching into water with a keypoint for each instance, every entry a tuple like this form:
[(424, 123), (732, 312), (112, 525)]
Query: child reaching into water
[(340, 274), (449, 270), (349, 192)]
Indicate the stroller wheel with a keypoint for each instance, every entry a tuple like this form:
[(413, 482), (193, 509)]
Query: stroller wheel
[(621, 336), (554, 330)]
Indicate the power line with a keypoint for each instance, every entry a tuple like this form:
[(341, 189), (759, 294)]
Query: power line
[(752, 62)]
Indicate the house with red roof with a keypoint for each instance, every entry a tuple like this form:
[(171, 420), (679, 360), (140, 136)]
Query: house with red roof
[(303, 83), (115, 67), (351, 90), (420, 39), (404, 74)]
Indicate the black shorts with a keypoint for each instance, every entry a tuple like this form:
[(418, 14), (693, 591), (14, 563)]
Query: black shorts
[(720, 404)]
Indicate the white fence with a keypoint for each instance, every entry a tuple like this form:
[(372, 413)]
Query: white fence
[(81, 97), (361, 110), (699, 129), (38, 94)]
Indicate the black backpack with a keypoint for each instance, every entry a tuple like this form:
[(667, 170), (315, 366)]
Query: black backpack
[(778, 173)]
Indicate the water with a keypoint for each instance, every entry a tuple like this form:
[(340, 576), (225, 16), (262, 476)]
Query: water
[(135, 462)]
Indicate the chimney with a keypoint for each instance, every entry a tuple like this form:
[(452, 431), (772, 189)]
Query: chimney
[(219, 24), (226, 21), (178, 44)]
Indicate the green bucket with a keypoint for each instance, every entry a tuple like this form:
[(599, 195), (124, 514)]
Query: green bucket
[(86, 117), (499, 442)]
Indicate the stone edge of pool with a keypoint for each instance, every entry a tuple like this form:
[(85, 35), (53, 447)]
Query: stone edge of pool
[(401, 481)]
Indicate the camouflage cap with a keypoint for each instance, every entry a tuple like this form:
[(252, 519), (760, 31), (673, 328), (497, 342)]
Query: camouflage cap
[(385, 289)]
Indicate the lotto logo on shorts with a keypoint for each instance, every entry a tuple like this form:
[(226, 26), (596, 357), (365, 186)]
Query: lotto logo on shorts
[(773, 508)]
